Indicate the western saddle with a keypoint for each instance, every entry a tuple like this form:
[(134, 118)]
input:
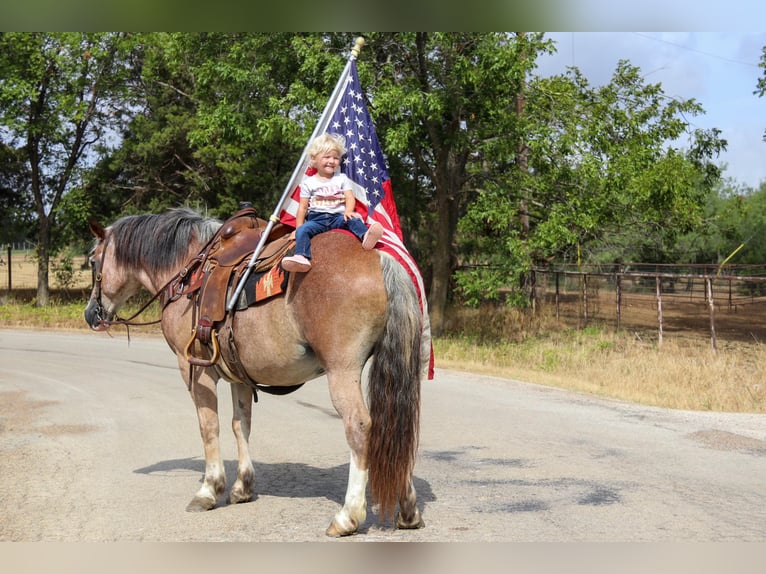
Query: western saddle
[(210, 278)]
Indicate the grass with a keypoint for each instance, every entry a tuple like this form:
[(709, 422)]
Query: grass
[(680, 375), (65, 314), (683, 373)]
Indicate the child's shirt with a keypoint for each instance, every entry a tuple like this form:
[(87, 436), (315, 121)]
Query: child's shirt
[(326, 196)]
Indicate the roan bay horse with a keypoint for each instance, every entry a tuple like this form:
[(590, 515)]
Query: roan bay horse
[(353, 305)]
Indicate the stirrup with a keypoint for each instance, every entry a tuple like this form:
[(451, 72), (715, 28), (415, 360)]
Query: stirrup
[(197, 362)]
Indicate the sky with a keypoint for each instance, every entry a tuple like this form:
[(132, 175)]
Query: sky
[(718, 69)]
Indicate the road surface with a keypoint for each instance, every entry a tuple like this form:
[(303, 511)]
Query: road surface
[(99, 442)]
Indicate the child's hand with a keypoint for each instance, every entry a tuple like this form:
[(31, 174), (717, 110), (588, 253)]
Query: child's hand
[(352, 215)]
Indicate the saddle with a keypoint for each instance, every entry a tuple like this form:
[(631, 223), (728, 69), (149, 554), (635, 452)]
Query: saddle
[(210, 277)]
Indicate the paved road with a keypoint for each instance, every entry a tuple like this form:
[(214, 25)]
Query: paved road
[(98, 442)]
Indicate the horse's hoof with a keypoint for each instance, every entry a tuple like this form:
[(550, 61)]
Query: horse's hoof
[(412, 524), (337, 531), (200, 505), (238, 497)]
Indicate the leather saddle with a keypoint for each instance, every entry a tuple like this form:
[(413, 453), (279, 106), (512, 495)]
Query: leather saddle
[(215, 273)]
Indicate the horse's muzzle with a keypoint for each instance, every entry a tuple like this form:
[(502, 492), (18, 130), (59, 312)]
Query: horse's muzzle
[(95, 316)]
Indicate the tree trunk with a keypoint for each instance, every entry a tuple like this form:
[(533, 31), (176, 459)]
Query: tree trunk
[(441, 266), (449, 182), (43, 260)]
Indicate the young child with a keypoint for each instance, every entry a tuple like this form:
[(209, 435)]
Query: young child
[(326, 202)]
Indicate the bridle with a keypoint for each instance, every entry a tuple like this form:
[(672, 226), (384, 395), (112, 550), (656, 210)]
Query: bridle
[(97, 270), (96, 282)]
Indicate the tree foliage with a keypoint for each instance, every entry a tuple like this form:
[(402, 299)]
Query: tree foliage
[(603, 164), (495, 170), (224, 119), (447, 102), (60, 95)]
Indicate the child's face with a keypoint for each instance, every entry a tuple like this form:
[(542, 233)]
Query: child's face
[(326, 163)]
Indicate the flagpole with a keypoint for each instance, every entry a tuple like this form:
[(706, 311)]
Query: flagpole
[(320, 127)]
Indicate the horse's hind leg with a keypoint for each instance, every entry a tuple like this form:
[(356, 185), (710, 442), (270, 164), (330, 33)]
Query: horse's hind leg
[(203, 392), (242, 408), (346, 394)]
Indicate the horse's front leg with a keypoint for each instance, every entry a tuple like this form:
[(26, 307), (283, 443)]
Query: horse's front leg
[(242, 408), (204, 395)]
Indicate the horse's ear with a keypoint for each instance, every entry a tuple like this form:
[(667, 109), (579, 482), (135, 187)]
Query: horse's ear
[(96, 228)]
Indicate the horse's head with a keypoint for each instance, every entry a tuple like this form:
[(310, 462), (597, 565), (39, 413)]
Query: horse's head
[(112, 285)]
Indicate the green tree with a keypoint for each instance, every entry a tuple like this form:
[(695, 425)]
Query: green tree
[(446, 109), (737, 221), (224, 119), (15, 203), (61, 95), (602, 162)]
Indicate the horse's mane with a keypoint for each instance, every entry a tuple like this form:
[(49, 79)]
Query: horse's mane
[(159, 242)]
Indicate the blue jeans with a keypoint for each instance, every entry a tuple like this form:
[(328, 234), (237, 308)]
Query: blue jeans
[(319, 223)]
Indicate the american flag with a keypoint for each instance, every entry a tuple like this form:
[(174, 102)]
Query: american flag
[(365, 166)]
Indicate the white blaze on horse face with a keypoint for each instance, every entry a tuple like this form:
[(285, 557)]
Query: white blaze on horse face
[(118, 284), (354, 511)]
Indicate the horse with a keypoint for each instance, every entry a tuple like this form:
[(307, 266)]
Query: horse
[(354, 305)]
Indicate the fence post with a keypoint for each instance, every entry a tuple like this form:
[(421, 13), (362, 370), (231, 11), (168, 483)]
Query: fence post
[(556, 274), (658, 282), (585, 299), (618, 290), (10, 271), (709, 291), (731, 304)]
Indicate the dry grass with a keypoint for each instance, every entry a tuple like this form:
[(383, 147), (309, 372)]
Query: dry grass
[(682, 373)]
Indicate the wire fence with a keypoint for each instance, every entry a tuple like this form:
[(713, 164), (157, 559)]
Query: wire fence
[(728, 302), (720, 302), (18, 268)]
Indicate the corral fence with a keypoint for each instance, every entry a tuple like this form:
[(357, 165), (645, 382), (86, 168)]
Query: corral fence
[(666, 297), (18, 269)]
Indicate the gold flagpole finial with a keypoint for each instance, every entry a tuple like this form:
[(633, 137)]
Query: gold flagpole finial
[(358, 43)]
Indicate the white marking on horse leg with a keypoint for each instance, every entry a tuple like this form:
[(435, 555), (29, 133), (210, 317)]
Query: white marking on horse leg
[(354, 511), (203, 391), (212, 487)]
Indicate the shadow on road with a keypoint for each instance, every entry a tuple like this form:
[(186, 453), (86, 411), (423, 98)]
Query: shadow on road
[(285, 479)]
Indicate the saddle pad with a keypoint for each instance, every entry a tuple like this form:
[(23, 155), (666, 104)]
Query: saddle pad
[(262, 286)]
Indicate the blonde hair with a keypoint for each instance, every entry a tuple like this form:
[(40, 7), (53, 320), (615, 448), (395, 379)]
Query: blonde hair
[(327, 142)]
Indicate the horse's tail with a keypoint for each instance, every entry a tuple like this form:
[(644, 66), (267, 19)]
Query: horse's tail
[(394, 391)]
